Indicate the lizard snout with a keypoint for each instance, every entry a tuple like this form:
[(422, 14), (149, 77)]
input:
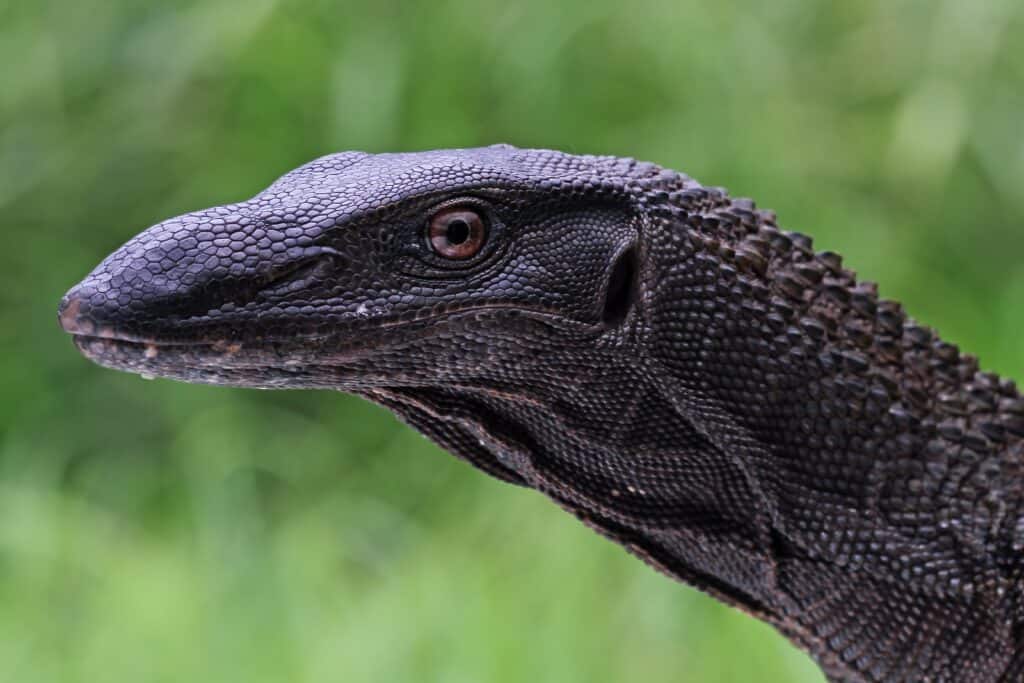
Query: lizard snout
[(70, 315), (201, 278), (87, 311)]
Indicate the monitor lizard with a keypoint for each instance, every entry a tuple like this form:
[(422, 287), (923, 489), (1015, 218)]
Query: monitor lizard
[(661, 360)]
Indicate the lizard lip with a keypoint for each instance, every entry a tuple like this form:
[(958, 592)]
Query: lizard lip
[(204, 363), (266, 365)]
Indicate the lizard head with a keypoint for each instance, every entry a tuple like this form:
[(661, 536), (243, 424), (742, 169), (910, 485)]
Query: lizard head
[(359, 270)]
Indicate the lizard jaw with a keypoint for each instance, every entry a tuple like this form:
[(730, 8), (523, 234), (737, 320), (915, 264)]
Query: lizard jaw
[(268, 365), (343, 360)]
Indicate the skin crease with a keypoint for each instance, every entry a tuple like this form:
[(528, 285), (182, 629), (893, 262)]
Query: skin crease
[(659, 359)]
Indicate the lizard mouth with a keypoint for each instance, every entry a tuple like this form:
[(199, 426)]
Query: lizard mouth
[(343, 359)]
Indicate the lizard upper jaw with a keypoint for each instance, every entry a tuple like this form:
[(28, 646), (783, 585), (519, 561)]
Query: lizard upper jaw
[(78, 319)]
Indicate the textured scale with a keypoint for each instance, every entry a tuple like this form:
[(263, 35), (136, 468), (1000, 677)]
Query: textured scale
[(662, 360)]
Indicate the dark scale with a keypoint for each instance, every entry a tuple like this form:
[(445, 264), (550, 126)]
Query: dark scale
[(665, 362)]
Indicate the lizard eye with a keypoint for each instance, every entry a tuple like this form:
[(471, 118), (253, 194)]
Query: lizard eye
[(456, 233)]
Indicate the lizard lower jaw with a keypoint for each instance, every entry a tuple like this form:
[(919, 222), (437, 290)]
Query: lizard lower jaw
[(262, 366)]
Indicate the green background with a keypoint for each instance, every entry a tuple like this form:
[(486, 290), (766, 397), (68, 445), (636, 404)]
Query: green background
[(159, 532)]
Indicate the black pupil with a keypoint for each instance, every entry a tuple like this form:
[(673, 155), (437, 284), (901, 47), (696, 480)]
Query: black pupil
[(458, 231)]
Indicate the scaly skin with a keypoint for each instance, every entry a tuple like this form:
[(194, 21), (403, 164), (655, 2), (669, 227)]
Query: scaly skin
[(661, 360)]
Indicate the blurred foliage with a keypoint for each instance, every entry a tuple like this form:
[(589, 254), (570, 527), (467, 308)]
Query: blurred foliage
[(162, 532)]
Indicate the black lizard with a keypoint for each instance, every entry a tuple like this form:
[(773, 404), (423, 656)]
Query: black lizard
[(661, 360)]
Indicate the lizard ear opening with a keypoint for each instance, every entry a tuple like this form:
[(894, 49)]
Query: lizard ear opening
[(619, 292)]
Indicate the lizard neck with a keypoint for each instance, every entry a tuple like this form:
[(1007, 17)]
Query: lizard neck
[(887, 463)]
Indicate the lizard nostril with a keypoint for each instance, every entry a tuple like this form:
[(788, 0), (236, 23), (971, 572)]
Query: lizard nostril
[(302, 274)]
